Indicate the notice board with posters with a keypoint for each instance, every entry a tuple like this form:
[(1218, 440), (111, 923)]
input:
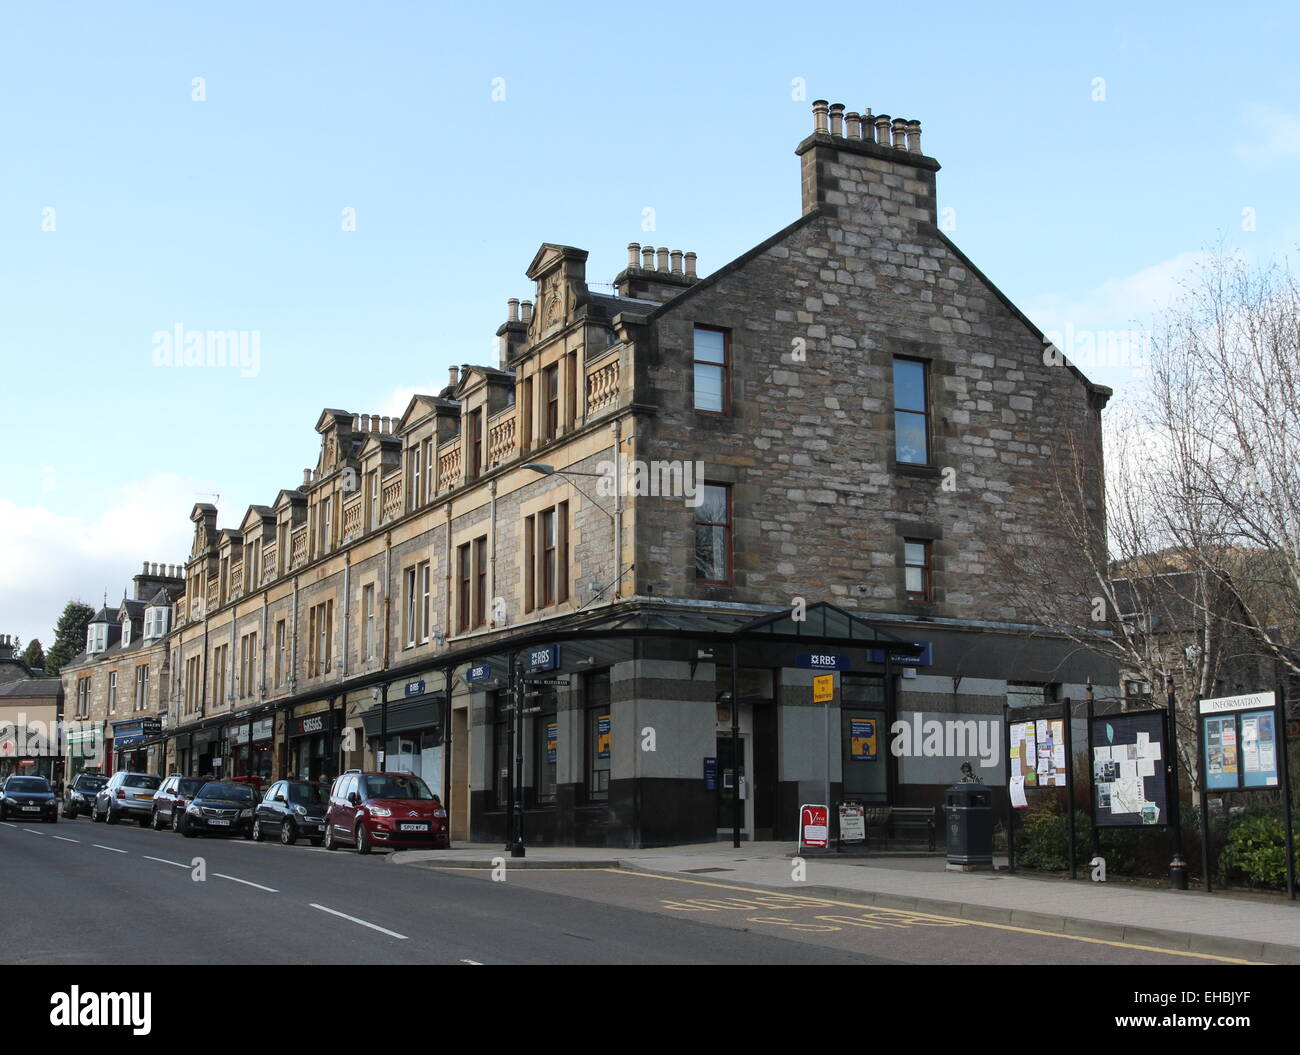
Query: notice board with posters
[(1239, 742), (1037, 752), (1128, 769)]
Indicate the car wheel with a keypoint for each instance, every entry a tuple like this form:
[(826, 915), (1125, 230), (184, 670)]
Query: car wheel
[(363, 839), (287, 834), (330, 842), (94, 813), (109, 816), (176, 820), (258, 835), (187, 831), (156, 821)]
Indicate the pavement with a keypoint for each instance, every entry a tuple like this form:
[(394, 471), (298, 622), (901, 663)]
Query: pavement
[(1244, 926)]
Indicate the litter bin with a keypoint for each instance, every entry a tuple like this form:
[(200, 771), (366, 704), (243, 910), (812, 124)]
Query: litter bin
[(969, 807)]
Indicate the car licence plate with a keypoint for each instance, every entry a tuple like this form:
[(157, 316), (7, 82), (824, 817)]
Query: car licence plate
[(31, 809), (413, 827), (220, 821), (139, 796)]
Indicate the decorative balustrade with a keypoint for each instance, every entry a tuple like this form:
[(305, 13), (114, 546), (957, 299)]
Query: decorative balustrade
[(214, 595), (268, 561), (449, 466), (352, 519), (501, 441), (602, 387), (392, 500), (298, 547), (236, 579)]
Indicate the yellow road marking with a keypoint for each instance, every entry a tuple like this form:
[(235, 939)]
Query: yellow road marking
[(933, 916)]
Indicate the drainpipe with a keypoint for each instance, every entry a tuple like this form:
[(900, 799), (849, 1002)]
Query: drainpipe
[(347, 582), (617, 428)]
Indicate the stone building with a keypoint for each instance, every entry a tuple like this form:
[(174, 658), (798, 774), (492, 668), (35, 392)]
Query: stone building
[(30, 708), (563, 584), (116, 690)]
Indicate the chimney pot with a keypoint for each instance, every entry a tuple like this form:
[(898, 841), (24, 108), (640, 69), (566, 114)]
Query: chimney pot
[(365, 422), (648, 258), (145, 569), (837, 119), (512, 306), (914, 137), (676, 256), (453, 373), (882, 130), (306, 476), (868, 126), (690, 265), (853, 125), (663, 258), (900, 133), (633, 254), (819, 115), (527, 308)]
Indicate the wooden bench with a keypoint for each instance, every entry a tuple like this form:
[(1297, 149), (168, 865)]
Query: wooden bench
[(902, 822)]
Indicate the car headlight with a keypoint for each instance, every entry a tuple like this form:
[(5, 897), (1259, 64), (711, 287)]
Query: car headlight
[(379, 811), (300, 810), (193, 810), (440, 813), (10, 802), (245, 813)]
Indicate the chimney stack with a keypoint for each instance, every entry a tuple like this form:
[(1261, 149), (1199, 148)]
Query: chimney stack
[(6, 647), (842, 170), (512, 334)]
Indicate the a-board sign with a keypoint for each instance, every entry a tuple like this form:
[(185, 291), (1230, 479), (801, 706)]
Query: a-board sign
[(853, 823), (1128, 769), (814, 826)]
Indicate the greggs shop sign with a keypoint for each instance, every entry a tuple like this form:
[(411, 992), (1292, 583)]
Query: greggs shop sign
[(312, 724)]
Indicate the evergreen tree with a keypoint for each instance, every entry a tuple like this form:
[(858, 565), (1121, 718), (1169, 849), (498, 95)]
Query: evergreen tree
[(69, 636), (33, 655)]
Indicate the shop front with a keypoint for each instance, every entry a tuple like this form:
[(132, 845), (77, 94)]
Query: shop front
[(84, 746), (408, 737), (250, 745), (131, 740), (313, 748)]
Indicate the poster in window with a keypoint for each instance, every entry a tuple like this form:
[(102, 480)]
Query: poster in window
[(863, 740), (552, 738), (602, 736)]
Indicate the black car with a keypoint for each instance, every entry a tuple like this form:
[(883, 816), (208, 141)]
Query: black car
[(220, 808), (293, 809), (28, 797), (169, 801), (79, 797)]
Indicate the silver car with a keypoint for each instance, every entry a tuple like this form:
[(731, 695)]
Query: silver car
[(127, 796)]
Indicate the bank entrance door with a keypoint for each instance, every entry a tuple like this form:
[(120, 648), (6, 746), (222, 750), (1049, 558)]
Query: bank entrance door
[(733, 779)]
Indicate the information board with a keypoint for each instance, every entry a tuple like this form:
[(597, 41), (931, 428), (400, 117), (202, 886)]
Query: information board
[(1128, 769), (1240, 742), (1037, 752)]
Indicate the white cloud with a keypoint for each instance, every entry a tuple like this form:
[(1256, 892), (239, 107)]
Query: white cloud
[(1272, 132), (48, 558), (1103, 330), (395, 403)]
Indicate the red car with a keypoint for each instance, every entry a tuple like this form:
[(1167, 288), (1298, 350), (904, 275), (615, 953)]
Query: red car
[(384, 809)]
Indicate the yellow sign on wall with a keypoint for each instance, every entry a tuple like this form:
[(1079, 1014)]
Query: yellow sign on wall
[(823, 688)]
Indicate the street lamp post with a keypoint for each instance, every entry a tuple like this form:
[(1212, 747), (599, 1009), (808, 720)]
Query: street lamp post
[(1177, 864)]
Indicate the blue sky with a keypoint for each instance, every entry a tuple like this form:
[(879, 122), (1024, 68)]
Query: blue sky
[(227, 213)]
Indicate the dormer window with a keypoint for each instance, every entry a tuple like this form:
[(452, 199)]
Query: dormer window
[(155, 622), (126, 632), (96, 638)]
